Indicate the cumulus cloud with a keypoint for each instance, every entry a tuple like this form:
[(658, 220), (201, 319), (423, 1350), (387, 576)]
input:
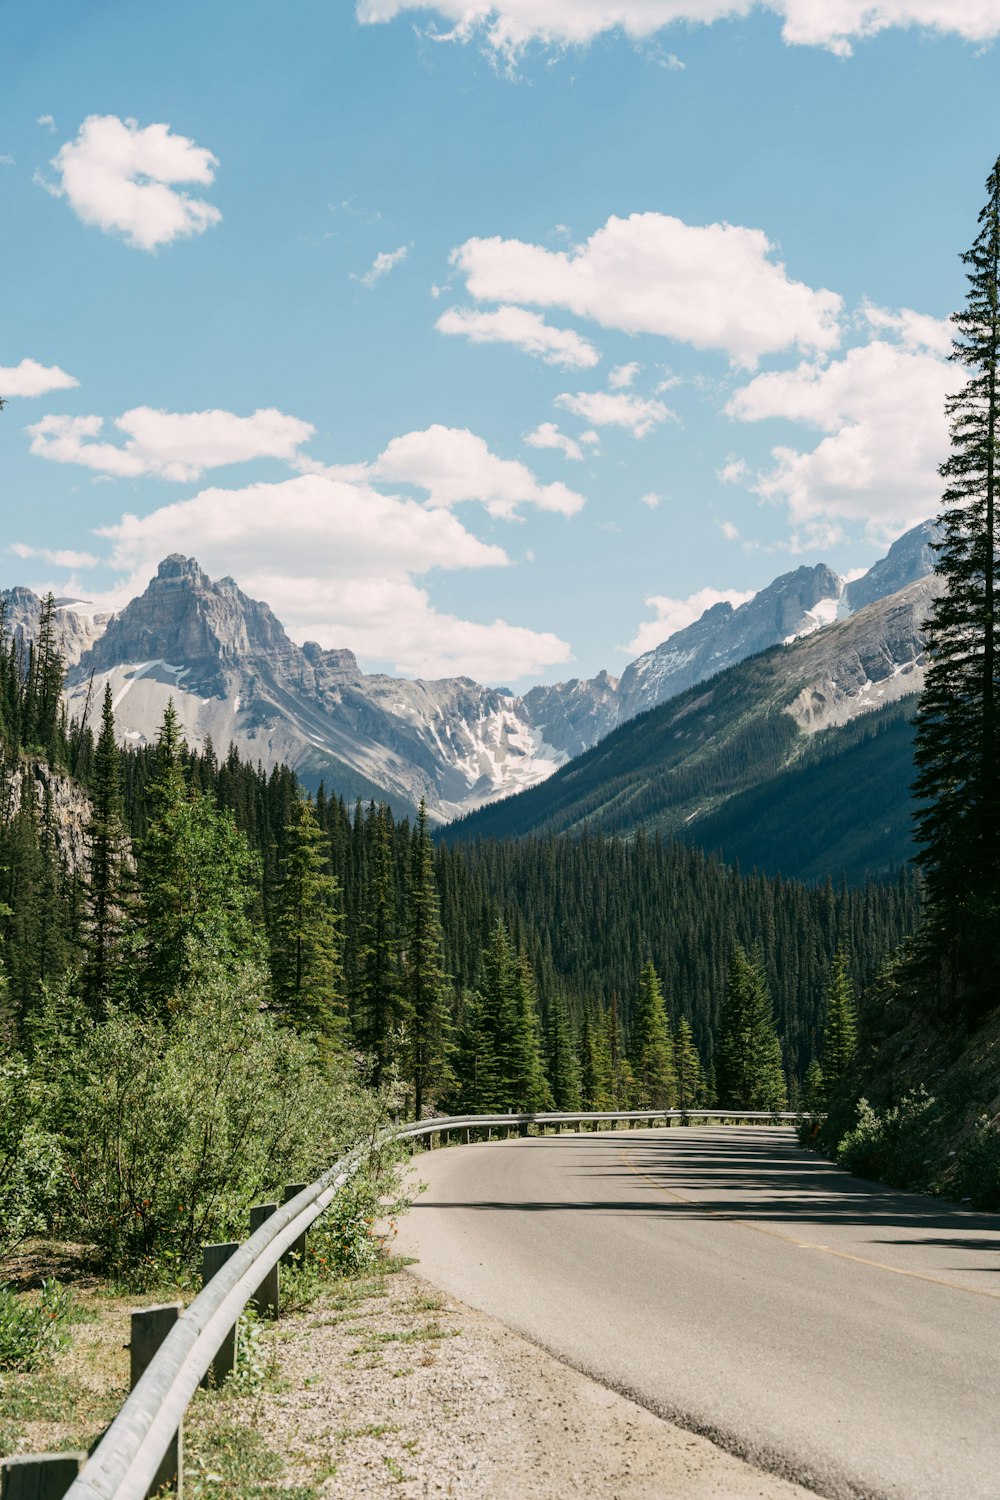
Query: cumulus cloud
[(29, 378), (651, 500), (59, 558), (548, 435), (124, 179), (622, 376), (340, 563), (715, 286), (616, 409), (508, 26), (171, 445), (383, 263), (674, 614), (527, 330), (454, 465), (881, 410)]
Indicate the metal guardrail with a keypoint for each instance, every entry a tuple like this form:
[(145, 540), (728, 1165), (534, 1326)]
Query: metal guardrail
[(128, 1458)]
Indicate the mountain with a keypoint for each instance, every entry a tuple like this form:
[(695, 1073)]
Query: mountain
[(236, 676), (796, 760)]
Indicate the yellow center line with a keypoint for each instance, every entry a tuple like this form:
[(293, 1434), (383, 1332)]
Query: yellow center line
[(776, 1234)]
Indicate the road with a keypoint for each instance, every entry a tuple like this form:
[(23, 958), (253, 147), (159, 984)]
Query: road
[(829, 1329)]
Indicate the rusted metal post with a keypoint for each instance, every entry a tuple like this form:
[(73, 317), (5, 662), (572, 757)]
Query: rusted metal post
[(213, 1258), (149, 1327), (39, 1476), (266, 1300)]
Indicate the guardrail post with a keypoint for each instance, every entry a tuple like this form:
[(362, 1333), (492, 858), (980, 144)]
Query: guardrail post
[(466, 1136), (268, 1292), (213, 1258), (39, 1476), (522, 1130), (149, 1327), (297, 1249)]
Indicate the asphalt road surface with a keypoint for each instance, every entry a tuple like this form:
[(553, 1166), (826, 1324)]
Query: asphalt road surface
[(829, 1329)]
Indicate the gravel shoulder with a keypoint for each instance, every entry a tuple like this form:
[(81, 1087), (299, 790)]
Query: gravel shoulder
[(410, 1393)]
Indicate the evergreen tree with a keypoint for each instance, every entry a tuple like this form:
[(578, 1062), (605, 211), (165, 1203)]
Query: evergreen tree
[(197, 876), (376, 961), (561, 1060), (748, 1069), (107, 874), (687, 1067), (306, 976), (958, 728), (652, 1046), (596, 1081), (424, 978), (814, 1089), (840, 1029), (529, 1087)]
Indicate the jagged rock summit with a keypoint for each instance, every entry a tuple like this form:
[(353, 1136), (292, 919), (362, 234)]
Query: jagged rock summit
[(237, 677)]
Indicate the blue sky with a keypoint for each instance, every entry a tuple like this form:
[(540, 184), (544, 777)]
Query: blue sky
[(496, 340)]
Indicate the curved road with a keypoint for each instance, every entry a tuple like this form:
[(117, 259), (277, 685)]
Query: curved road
[(832, 1330)]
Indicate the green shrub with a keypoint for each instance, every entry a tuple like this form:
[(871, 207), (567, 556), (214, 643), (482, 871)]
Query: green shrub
[(893, 1144), (29, 1156), (179, 1124), (977, 1174), (33, 1329)]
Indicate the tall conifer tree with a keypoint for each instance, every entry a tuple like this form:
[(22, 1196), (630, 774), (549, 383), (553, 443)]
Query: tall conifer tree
[(306, 976), (840, 1028), (748, 1066), (958, 729), (107, 855), (652, 1046), (424, 978)]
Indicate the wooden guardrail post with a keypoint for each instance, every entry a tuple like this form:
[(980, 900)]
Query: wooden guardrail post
[(213, 1258), (297, 1249), (39, 1476), (149, 1327), (268, 1292)]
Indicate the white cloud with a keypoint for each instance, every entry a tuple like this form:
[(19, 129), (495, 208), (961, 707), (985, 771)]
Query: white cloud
[(172, 445), (453, 465), (384, 262), (6, 160), (729, 531), (915, 330), (124, 178), (47, 121), (622, 376), (548, 435), (528, 330), (61, 558), (338, 562), (735, 471), (715, 286), (607, 409), (674, 614), (508, 26), (881, 408), (651, 500), (29, 378)]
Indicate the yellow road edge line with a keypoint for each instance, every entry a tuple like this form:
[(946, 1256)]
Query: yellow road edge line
[(776, 1234)]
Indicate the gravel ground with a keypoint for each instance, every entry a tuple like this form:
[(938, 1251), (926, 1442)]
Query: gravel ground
[(406, 1393)]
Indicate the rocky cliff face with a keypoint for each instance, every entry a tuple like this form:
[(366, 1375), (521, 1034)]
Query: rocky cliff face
[(77, 626), (235, 676), (793, 605)]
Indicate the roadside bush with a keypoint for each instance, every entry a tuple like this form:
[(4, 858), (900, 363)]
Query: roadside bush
[(29, 1156), (977, 1174), (893, 1144), (32, 1329), (180, 1123)]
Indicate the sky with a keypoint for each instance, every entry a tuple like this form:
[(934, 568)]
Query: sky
[(487, 339)]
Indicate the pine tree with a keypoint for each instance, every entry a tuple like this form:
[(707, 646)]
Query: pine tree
[(688, 1068), (652, 1046), (306, 976), (840, 1029), (814, 1089), (562, 1062), (424, 977), (958, 728), (529, 1087), (197, 876), (377, 967), (107, 855), (596, 1081), (748, 1070)]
